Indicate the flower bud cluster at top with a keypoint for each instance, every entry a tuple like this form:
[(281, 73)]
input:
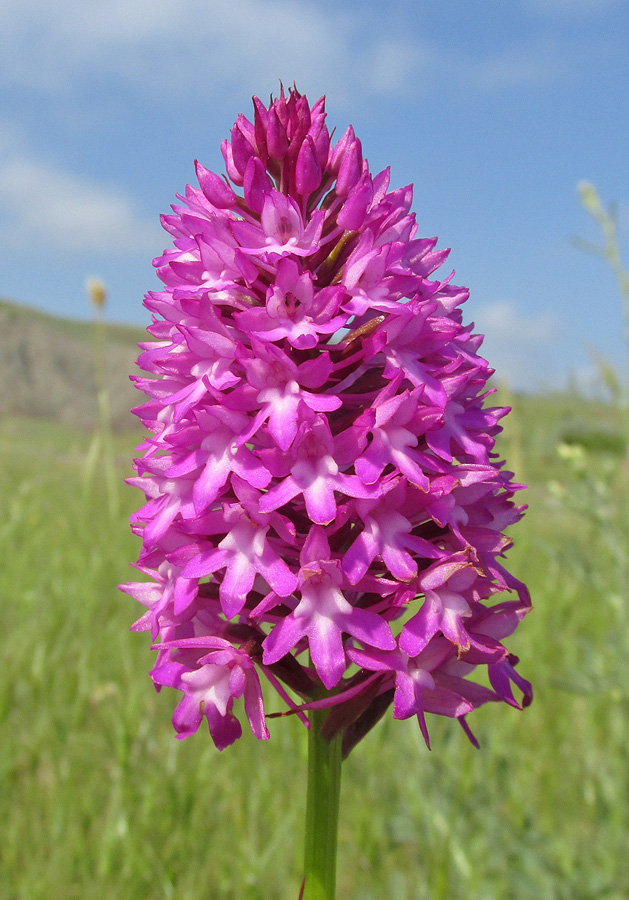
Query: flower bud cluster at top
[(324, 506)]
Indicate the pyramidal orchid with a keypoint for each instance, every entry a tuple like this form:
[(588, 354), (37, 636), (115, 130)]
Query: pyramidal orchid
[(325, 511)]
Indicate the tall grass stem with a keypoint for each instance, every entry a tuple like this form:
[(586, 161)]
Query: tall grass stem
[(101, 448)]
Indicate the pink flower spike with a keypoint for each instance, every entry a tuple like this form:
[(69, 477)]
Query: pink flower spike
[(323, 500)]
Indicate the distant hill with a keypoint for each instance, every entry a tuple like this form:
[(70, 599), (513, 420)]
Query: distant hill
[(47, 367)]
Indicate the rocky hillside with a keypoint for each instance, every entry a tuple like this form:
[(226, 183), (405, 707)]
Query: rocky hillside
[(47, 367)]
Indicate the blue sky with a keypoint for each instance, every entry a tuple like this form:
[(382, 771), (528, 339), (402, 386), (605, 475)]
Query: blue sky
[(495, 110)]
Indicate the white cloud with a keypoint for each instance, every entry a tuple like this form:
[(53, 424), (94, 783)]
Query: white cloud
[(39, 203), (394, 65), (518, 346), (536, 63), (199, 48), (502, 320), (186, 50)]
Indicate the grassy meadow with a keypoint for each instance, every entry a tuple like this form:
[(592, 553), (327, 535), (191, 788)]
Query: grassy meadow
[(99, 800)]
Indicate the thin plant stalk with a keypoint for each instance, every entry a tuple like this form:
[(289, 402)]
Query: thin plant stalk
[(610, 251), (101, 447), (619, 493), (322, 811)]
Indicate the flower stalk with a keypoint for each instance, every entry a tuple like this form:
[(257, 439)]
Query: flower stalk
[(322, 810)]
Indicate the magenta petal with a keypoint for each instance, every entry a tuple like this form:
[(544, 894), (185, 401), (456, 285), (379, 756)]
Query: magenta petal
[(162, 520), (326, 649), (279, 495), (321, 402), (207, 485), (359, 557), (476, 694), (223, 729), (370, 629), (320, 502), (353, 213), (254, 709), (185, 594), (400, 563), (373, 660), (405, 703), (316, 546), (205, 563), (237, 582), (443, 702), (144, 592), (283, 421), (501, 675), (277, 574), (187, 717), (250, 469), (369, 469), (418, 631), (284, 637), (242, 144)]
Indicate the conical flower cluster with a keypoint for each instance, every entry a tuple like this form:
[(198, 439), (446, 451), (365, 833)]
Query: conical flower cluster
[(324, 506)]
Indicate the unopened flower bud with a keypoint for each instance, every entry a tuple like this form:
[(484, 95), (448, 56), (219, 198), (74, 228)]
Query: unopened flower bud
[(350, 169), (308, 168), (589, 198), (97, 292)]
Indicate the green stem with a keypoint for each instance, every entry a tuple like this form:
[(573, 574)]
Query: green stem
[(322, 811)]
